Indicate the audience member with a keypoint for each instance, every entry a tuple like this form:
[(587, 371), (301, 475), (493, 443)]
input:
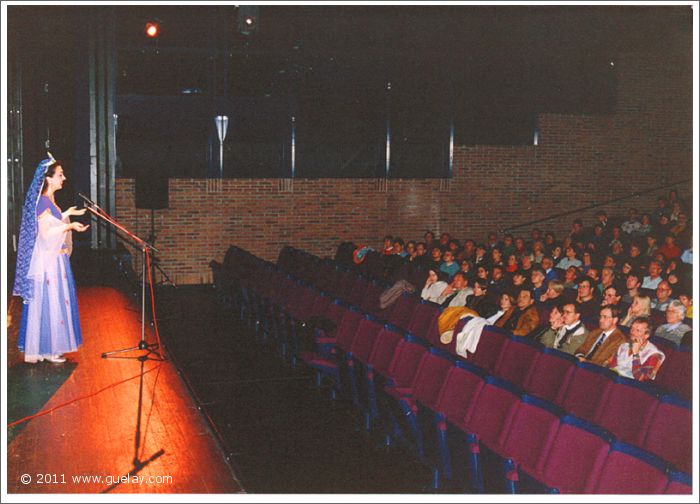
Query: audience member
[(586, 300), (632, 224), (479, 302), (480, 255), (553, 294), (674, 328), (640, 307), (633, 282), (511, 263), (455, 294), (571, 277), (549, 333), (637, 358), (429, 239), (651, 245), (669, 249), (687, 255), (547, 264), (663, 296), (644, 225), (653, 279), (537, 251), (586, 261), (537, 278), (526, 263), (506, 303), (497, 283), (611, 296), (449, 266), (635, 256), (570, 259), (524, 318), (603, 342), (607, 278), (685, 296), (571, 335), (388, 247), (433, 287)]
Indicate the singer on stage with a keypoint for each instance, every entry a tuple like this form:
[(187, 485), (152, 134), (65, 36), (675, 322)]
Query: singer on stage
[(50, 324)]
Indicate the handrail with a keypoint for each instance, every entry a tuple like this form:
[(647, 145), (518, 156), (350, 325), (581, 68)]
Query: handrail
[(569, 212)]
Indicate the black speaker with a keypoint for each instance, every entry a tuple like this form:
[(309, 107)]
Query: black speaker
[(152, 190)]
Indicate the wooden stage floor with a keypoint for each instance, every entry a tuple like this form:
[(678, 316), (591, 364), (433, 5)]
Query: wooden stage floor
[(144, 435)]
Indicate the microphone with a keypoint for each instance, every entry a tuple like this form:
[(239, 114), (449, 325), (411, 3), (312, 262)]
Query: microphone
[(87, 200)]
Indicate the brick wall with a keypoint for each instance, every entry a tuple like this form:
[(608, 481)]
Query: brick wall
[(580, 160)]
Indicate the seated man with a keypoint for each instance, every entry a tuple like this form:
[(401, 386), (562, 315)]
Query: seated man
[(607, 278), (663, 296), (603, 342), (524, 318), (638, 358), (456, 293), (518, 281), (653, 279), (632, 284), (449, 266), (399, 249), (611, 296), (547, 264), (570, 259), (674, 328), (587, 303), (669, 249), (537, 277), (572, 334), (632, 224), (498, 282), (635, 256), (570, 277)]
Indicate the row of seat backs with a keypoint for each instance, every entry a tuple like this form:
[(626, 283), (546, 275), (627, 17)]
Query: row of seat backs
[(632, 412), (402, 372), (526, 427), (419, 318)]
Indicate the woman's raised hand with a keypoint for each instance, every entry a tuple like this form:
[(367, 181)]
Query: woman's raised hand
[(74, 211)]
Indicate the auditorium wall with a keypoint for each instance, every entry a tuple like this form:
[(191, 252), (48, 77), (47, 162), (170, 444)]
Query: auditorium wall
[(579, 161)]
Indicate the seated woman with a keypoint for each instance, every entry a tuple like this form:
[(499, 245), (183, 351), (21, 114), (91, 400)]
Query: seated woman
[(506, 305), (524, 318), (479, 302), (512, 263), (433, 287), (640, 307)]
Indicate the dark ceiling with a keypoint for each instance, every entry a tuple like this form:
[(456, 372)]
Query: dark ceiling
[(491, 69)]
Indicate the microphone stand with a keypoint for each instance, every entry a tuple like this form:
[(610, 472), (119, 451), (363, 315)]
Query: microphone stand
[(145, 248)]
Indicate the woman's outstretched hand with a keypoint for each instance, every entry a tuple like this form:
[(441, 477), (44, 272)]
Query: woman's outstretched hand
[(73, 211), (79, 227)]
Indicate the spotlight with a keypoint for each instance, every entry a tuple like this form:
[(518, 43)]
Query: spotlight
[(248, 19), (152, 29)]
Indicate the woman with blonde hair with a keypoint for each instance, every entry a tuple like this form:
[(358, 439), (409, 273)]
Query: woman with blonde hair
[(640, 307)]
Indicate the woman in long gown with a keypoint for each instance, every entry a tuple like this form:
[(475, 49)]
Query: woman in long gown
[(50, 323)]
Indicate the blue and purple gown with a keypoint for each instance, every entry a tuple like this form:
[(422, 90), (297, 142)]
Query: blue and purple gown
[(50, 323)]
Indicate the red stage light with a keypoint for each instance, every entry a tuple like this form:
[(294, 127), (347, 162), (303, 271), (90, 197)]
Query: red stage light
[(152, 30)]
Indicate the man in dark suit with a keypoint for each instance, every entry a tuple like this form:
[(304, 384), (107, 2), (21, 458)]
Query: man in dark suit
[(602, 343)]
